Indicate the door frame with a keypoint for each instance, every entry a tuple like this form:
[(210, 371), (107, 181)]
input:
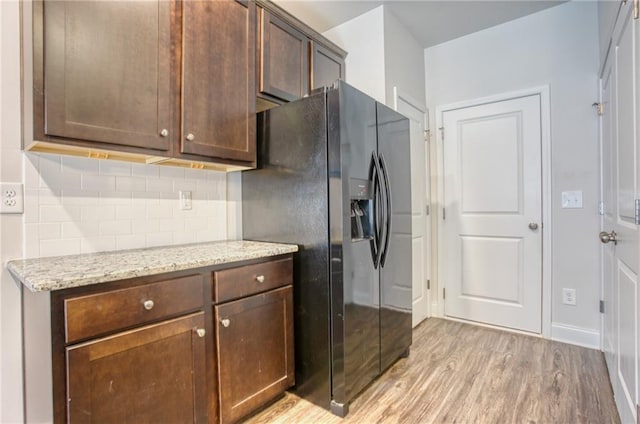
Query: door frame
[(428, 253), (545, 133)]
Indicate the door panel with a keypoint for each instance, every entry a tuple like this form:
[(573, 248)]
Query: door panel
[(107, 71), (420, 223), (620, 186), (493, 207), (219, 46), (396, 272)]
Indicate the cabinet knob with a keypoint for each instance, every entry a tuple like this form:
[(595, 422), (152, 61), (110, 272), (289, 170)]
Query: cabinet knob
[(191, 137), (164, 132), (225, 322), (201, 332), (148, 304), (260, 278)]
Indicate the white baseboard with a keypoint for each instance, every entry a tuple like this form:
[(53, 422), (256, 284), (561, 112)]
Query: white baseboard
[(585, 337)]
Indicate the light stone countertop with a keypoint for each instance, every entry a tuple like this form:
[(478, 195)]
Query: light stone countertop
[(62, 272)]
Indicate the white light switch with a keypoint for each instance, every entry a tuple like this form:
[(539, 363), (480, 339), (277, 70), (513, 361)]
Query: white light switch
[(572, 199), (185, 200)]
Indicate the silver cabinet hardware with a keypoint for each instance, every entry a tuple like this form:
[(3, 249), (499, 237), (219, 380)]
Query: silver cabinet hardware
[(148, 304), (201, 332), (260, 278), (225, 322), (608, 237), (533, 226), (164, 132), (191, 137)]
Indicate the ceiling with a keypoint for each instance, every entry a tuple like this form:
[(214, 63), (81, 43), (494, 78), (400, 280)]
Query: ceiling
[(430, 21)]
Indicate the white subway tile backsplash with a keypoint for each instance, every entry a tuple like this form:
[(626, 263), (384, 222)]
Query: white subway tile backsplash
[(98, 244), (159, 239), (131, 184), (75, 205), (114, 167), (172, 172), (142, 170), (59, 213), (115, 228), (60, 247), (98, 213), (80, 229), (144, 226), (159, 185), (98, 182), (130, 241), (48, 231), (73, 164)]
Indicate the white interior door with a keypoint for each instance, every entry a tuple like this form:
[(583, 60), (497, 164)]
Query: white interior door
[(492, 213), (420, 200), (620, 186)]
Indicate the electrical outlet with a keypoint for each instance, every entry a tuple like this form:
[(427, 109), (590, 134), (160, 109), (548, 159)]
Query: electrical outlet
[(12, 198), (185, 200), (569, 296)]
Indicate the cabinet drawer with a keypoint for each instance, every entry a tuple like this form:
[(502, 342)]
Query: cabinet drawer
[(234, 283), (95, 314)]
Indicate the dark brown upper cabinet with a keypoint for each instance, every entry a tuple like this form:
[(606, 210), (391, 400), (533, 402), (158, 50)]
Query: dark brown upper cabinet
[(283, 59), (167, 82), (326, 66), (107, 72), (218, 79)]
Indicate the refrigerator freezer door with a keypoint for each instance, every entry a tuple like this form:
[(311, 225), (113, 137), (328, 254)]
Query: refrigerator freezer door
[(354, 281), (395, 269), (286, 200)]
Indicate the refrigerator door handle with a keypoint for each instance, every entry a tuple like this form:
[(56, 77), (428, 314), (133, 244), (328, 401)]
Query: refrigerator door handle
[(387, 210), (375, 177)]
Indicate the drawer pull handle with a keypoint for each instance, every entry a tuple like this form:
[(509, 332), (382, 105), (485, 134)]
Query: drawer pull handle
[(201, 332), (225, 322), (260, 278), (148, 305)]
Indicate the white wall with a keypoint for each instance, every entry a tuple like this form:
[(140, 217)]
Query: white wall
[(558, 47), (363, 38), (403, 60), (10, 225), (76, 205)]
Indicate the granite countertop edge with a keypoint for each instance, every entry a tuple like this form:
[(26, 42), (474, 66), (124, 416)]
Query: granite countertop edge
[(62, 272)]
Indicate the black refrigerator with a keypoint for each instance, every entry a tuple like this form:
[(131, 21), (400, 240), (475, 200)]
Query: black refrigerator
[(333, 177)]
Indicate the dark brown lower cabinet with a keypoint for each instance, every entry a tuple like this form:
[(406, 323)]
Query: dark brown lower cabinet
[(152, 374), (255, 351)]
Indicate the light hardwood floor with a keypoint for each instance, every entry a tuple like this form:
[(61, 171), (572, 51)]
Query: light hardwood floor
[(459, 373)]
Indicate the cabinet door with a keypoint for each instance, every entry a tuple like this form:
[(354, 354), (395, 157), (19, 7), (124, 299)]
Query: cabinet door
[(326, 66), (152, 374), (284, 59), (107, 71), (219, 99), (255, 351)]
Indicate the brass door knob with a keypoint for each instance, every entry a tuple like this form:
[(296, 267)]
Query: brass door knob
[(608, 237)]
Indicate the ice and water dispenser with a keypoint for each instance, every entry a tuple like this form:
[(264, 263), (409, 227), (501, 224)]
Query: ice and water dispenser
[(360, 193)]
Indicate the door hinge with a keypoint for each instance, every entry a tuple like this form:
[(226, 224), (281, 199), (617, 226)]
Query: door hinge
[(441, 133), (602, 306), (601, 207), (637, 211), (428, 284), (444, 293), (427, 210), (427, 135), (444, 215), (599, 108)]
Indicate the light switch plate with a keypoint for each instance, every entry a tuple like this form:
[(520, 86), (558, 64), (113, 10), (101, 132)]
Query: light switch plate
[(572, 199), (185, 200), (12, 196)]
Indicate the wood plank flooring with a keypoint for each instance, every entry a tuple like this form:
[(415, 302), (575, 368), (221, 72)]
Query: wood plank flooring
[(460, 373)]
